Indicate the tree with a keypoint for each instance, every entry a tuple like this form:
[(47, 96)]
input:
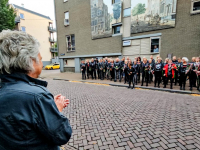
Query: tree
[(138, 9), (7, 16), (117, 11)]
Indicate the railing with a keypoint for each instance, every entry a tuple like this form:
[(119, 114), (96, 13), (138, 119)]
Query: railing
[(51, 29), (52, 40), (17, 19), (53, 49)]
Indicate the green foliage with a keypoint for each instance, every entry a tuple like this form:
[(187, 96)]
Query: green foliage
[(117, 10), (138, 9), (7, 16)]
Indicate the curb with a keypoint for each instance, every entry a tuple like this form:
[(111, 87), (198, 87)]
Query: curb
[(141, 87)]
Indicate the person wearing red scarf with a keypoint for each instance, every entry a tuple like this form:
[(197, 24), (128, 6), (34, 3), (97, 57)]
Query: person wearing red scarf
[(169, 73)]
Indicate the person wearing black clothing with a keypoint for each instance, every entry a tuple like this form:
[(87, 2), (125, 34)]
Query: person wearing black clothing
[(122, 67), (100, 65), (139, 64), (125, 67), (178, 67), (192, 74), (104, 62), (131, 73), (117, 68), (88, 68), (197, 70), (112, 70), (183, 73), (175, 61), (83, 69), (93, 69), (163, 72), (135, 66), (97, 68), (152, 60), (158, 68), (151, 67), (145, 71), (108, 70)]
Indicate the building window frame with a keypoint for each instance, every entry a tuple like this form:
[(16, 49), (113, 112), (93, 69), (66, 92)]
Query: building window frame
[(23, 29), (116, 29), (66, 19), (21, 16), (127, 9), (159, 44), (192, 12), (70, 43)]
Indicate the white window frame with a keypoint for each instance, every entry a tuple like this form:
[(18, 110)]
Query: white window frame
[(192, 4), (157, 37), (71, 43), (24, 28), (66, 19)]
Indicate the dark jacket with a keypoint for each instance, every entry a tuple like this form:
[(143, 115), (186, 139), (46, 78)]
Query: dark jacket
[(29, 118)]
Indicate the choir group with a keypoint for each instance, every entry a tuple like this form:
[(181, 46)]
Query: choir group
[(175, 71)]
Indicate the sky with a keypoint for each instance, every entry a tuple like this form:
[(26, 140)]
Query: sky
[(45, 7)]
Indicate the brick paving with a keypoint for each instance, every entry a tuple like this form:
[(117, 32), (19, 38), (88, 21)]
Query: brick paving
[(114, 118)]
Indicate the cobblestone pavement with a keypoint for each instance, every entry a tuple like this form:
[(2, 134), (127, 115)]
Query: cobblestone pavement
[(107, 117)]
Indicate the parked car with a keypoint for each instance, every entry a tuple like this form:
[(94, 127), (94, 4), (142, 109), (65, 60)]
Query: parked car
[(52, 66)]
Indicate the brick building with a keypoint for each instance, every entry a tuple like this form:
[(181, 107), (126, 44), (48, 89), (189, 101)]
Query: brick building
[(83, 30)]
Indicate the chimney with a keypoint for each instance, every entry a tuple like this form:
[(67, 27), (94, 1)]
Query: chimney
[(22, 5)]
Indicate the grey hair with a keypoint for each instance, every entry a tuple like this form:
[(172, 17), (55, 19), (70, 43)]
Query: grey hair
[(186, 59), (17, 52)]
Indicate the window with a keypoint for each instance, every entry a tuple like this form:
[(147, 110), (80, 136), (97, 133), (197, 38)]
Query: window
[(117, 30), (23, 29), (22, 16), (127, 12), (195, 6), (155, 45), (66, 20), (116, 1), (70, 41)]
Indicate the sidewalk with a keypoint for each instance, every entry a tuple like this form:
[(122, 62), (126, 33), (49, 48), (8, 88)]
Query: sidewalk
[(77, 77)]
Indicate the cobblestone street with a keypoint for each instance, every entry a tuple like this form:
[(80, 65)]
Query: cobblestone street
[(106, 117)]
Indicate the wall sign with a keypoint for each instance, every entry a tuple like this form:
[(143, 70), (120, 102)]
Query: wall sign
[(127, 43)]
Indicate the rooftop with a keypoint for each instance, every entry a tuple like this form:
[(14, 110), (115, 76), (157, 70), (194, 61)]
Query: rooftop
[(30, 11)]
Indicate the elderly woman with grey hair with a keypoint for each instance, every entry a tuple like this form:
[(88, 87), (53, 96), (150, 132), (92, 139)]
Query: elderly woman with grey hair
[(30, 116)]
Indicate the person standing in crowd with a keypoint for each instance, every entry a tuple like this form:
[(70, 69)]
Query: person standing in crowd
[(93, 69), (117, 68), (112, 69), (192, 74), (174, 61), (158, 68), (108, 69), (135, 66), (83, 68), (97, 68), (151, 67), (104, 67), (122, 67), (100, 65), (178, 67), (139, 64), (30, 116), (163, 72), (125, 71), (152, 60), (169, 73), (131, 73), (183, 73), (145, 71), (197, 67), (88, 68)]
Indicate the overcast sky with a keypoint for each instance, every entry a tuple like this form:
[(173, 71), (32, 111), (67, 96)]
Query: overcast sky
[(45, 7)]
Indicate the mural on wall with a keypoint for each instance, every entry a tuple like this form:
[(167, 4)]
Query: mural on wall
[(149, 15), (103, 15)]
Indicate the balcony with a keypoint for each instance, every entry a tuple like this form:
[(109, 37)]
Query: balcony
[(51, 29), (17, 20), (54, 50), (52, 40)]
